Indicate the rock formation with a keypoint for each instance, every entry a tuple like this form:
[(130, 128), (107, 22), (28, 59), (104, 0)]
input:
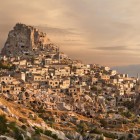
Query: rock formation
[(25, 40)]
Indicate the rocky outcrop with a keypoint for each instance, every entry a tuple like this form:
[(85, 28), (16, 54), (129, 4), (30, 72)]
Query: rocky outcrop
[(25, 40)]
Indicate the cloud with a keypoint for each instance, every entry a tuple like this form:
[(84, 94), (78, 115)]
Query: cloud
[(67, 38), (109, 27), (112, 48), (58, 30)]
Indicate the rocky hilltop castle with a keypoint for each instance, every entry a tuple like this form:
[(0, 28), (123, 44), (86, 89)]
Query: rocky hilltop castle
[(26, 40)]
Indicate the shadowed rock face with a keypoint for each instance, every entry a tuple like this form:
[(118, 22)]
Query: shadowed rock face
[(24, 39)]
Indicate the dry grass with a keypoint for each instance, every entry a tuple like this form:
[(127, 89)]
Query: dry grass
[(19, 111)]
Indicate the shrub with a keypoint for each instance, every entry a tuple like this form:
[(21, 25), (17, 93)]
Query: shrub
[(12, 125), (109, 135), (129, 104), (54, 136), (18, 134), (82, 127), (3, 124), (96, 131), (127, 114), (48, 132), (101, 138), (69, 136), (38, 130), (6, 66), (23, 127), (103, 122), (130, 136), (122, 138)]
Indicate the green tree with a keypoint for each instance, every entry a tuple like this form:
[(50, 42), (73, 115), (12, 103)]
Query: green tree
[(18, 134), (130, 136)]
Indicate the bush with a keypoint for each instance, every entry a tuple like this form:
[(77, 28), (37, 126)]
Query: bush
[(96, 131), (38, 131), (48, 132), (23, 127), (54, 136), (103, 122), (101, 138), (82, 127), (69, 136), (122, 138), (127, 114), (18, 134), (12, 125), (109, 135), (129, 104), (6, 66), (94, 88), (130, 136), (3, 124)]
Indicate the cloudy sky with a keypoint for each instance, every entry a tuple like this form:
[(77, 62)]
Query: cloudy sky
[(96, 31)]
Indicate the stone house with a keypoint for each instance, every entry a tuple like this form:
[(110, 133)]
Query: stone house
[(37, 61), (79, 71), (72, 90), (113, 81), (105, 77), (65, 83), (94, 80), (120, 92), (114, 122), (62, 71), (6, 79), (53, 83), (38, 77), (17, 89), (5, 88), (56, 119), (112, 72)]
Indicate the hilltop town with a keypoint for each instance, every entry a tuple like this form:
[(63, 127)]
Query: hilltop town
[(51, 96)]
